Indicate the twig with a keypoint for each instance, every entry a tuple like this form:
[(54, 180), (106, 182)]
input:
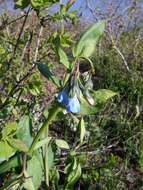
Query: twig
[(118, 50), (27, 46), (3, 25), (21, 31), (38, 43), (122, 56), (12, 91)]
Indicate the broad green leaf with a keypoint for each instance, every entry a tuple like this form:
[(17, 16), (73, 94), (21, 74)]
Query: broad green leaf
[(62, 144), (28, 184), (18, 144), (21, 4), (73, 177), (63, 58), (9, 129), (34, 172), (6, 151), (2, 50), (11, 163), (82, 130), (50, 157), (86, 45), (24, 130), (45, 71), (101, 96), (42, 3), (42, 142), (87, 109)]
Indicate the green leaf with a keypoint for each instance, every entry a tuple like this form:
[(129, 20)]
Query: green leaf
[(63, 58), (18, 144), (21, 4), (42, 142), (11, 163), (28, 184), (42, 3), (34, 172), (45, 71), (6, 151), (24, 130), (62, 144), (9, 129), (82, 130), (87, 109), (50, 157), (101, 96), (86, 45), (73, 177)]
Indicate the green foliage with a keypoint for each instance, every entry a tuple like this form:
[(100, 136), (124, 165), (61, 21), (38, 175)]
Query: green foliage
[(100, 98), (21, 3), (63, 58), (61, 144), (41, 145), (34, 167), (24, 130), (45, 71), (73, 171), (86, 45), (42, 3), (37, 4)]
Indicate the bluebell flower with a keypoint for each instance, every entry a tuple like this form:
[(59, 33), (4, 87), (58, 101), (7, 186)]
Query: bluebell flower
[(63, 97), (73, 105)]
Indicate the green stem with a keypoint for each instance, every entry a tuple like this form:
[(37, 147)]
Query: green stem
[(50, 118), (46, 165)]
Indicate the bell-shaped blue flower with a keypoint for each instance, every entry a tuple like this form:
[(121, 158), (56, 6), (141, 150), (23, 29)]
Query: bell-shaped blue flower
[(63, 97), (73, 105)]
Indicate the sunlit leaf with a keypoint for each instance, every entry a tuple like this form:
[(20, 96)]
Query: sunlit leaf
[(18, 145), (34, 172), (9, 129), (82, 129), (73, 177), (42, 142), (24, 130), (86, 45), (63, 58), (62, 144), (21, 3), (102, 95), (100, 98), (42, 3), (6, 151)]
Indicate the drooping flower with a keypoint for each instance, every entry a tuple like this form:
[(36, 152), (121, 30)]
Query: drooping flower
[(73, 105), (63, 97)]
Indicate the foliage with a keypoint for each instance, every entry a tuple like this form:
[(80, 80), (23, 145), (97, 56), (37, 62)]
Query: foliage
[(64, 126)]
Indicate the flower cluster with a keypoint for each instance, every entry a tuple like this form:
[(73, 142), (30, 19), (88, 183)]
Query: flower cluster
[(71, 103), (74, 91)]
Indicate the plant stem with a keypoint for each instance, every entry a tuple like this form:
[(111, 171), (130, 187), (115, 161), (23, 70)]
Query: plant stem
[(46, 160), (53, 112)]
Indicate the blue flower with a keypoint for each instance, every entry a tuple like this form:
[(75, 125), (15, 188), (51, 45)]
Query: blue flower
[(63, 97), (73, 105)]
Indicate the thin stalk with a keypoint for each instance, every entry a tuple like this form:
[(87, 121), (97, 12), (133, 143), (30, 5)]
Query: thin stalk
[(46, 160), (45, 126)]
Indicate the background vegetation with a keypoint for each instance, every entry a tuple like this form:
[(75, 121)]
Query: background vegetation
[(107, 153)]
